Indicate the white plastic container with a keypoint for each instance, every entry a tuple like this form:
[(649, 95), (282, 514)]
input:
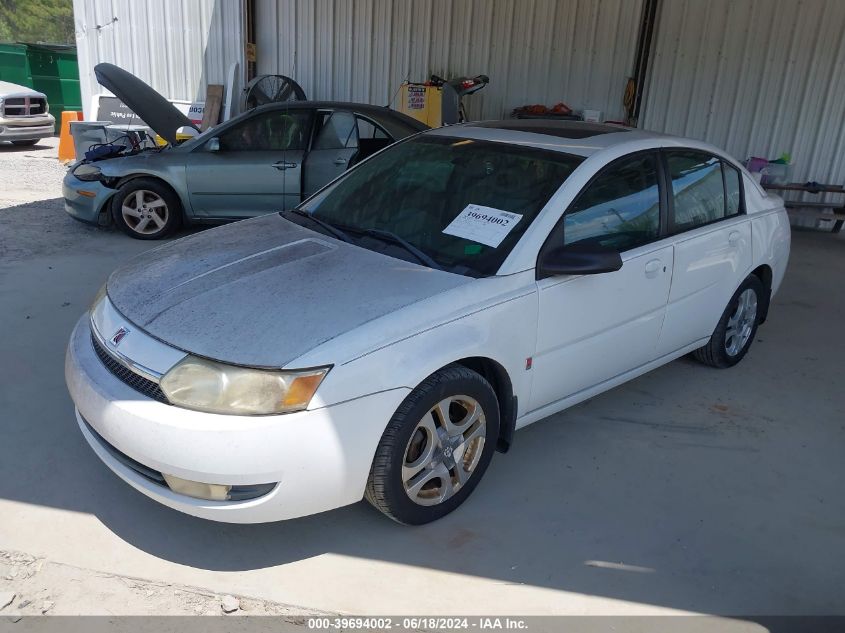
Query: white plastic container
[(592, 116), (776, 174), (87, 133)]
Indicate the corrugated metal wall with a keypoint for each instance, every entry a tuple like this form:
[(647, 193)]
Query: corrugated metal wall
[(756, 77), (178, 47), (534, 51)]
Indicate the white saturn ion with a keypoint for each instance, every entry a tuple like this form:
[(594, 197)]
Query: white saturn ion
[(386, 337)]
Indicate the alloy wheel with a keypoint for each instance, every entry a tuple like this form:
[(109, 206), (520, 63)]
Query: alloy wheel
[(145, 212), (741, 322), (444, 450)]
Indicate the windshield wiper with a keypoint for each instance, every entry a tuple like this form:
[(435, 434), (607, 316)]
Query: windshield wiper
[(387, 236), (321, 223)]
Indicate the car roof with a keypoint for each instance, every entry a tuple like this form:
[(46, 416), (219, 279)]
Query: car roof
[(380, 113), (571, 137)]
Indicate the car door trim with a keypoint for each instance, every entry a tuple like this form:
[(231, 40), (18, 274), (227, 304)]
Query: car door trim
[(579, 396)]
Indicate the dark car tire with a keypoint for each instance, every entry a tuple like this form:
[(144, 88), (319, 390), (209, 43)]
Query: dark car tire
[(25, 143), (406, 439), (724, 348), (146, 209)]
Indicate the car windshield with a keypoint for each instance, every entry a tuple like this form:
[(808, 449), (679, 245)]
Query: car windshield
[(459, 204)]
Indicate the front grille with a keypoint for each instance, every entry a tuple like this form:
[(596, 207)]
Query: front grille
[(126, 375), (24, 106)]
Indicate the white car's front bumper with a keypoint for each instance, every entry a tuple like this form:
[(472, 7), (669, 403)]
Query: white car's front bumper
[(27, 129), (319, 459)]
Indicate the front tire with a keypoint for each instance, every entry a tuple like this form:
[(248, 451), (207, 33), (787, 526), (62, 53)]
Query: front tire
[(436, 447), (735, 332), (27, 143), (146, 209)]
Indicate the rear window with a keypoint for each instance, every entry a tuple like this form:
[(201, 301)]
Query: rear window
[(697, 187), (733, 189)]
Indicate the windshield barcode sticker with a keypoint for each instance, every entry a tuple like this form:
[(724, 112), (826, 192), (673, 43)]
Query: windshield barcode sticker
[(484, 225)]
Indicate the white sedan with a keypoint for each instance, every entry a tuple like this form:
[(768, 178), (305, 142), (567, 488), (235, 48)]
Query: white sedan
[(385, 338)]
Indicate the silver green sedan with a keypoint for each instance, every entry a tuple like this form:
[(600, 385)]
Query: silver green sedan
[(268, 159)]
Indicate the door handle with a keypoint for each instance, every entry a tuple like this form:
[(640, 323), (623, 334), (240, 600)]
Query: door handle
[(339, 161), (734, 237), (282, 165), (653, 267)]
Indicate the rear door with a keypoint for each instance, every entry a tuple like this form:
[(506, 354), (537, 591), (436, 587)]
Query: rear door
[(592, 328), (712, 238), (257, 170), (335, 145)]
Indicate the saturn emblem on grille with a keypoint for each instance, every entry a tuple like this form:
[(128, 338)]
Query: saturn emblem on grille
[(119, 336)]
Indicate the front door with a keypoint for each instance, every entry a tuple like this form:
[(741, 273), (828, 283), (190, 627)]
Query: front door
[(256, 170), (592, 328), (334, 147)]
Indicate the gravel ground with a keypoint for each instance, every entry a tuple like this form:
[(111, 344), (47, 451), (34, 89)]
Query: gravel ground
[(31, 205), (30, 585)]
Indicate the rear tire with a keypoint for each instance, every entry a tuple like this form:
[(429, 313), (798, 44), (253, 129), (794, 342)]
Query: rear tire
[(735, 332), (435, 448), (25, 143), (146, 209)]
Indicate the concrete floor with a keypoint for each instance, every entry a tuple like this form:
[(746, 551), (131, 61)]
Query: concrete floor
[(689, 489)]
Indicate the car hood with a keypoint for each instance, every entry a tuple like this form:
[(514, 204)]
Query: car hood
[(156, 111), (262, 292)]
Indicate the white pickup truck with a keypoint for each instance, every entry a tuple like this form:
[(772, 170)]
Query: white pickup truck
[(24, 115)]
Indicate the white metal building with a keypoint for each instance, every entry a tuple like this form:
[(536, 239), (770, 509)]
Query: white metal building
[(757, 77)]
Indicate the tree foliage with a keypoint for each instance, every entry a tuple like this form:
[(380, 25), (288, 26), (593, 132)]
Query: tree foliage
[(48, 21)]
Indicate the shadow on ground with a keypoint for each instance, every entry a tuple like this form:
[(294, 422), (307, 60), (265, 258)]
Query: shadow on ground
[(11, 148)]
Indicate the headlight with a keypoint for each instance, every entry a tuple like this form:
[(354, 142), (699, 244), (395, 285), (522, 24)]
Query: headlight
[(196, 383), (87, 172)]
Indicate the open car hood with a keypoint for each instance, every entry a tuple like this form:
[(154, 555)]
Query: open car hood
[(156, 111)]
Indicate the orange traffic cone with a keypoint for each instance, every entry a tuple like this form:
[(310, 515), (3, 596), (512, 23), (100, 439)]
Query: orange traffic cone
[(67, 152)]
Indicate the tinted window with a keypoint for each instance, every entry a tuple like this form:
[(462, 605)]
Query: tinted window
[(733, 189), (272, 131), (697, 188), (620, 209), (338, 132), (417, 189), (367, 130)]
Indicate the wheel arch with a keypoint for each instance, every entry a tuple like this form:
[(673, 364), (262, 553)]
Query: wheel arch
[(764, 274), (136, 175), (499, 379)]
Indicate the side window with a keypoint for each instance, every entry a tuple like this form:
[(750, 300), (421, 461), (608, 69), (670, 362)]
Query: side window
[(697, 189), (733, 190), (368, 130), (338, 132), (278, 130), (619, 210)]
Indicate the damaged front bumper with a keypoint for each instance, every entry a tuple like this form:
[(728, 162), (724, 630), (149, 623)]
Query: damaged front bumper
[(87, 201)]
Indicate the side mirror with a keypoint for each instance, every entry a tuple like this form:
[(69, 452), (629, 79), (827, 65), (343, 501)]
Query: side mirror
[(577, 261), (213, 145)]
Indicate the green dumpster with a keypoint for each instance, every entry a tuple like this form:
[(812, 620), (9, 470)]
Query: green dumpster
[(48, 68)]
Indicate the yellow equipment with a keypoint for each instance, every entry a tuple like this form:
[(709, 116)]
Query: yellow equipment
[(422, 102), (438, 101)]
